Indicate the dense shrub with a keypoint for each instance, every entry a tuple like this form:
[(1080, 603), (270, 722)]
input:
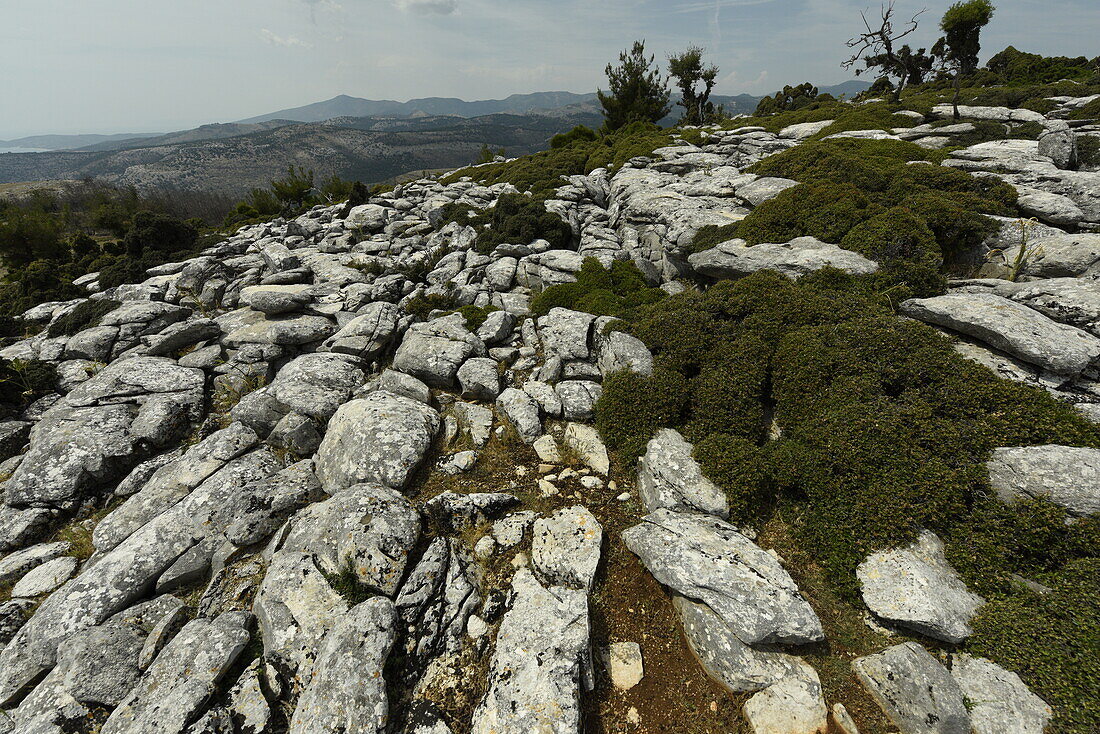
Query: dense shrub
[(1051, 640), (422, 305), (519, 219), (1017, 67), (84, 316), (712, 235), (739, 468), (22, 381), (632, 407), (826, 211), (1088, 150), (616, 291), (475, 315), (579, 134)]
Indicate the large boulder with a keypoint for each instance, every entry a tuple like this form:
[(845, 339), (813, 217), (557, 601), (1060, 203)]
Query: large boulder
[(535, 672), (369, 334), (999, 701), (1066, 475), (1010, 327), (347, 692), (434, 351), (367, 529), (669, 478), (707, 559), (381, 438), (565, 548), (915, 692), (800, 256), (182, 678), (915, 587)]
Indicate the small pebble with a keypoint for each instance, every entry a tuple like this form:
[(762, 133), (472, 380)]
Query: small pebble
[(475, 626), (623, 497)]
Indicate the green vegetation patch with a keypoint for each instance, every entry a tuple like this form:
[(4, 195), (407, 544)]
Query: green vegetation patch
[(84, 316), (616, 291)]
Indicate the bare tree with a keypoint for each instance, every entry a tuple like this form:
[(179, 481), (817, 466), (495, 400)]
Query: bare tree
[(875, 47)]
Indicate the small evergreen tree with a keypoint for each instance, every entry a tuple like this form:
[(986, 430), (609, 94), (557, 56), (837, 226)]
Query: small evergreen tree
[(294, 190), (788, 98), (688, 71), (636, 90), (962, 26)]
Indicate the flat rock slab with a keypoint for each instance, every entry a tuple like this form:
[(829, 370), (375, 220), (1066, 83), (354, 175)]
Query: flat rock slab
[(669, 478), (736, 259), (182, 678), (565, 548), (999, 701), (381, 438), (1011, 327), (1066, 475), (916, 587), (793, 705), (434, 351), (914, 691), (707, 559), (347, 692), (534, 676)]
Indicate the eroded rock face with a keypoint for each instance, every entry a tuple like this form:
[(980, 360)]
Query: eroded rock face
[(736, 259), (707, 559), (347, 691), (535, 673), (1065, 475), (669, 478), (1012, 328), (381, 438), (182, 678), (917, 693), (915, 587)]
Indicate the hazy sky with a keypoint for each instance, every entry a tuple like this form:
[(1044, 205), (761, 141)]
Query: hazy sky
[(76, 66)]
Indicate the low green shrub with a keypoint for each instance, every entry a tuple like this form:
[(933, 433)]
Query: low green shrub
[(475, 315), (616, 291), (739, 468), (1088, 150), (519, 219), (1050, 640), (22, 381), (632, 407), (422, 305), (823, 210), (84, 316)]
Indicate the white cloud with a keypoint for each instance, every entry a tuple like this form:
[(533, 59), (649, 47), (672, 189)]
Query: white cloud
[(285, 42), (436, 7)]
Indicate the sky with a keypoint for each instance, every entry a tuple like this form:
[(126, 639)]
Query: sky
[(110, 66)]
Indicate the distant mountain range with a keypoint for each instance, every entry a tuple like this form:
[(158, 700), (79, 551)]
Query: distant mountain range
[(369, 140)]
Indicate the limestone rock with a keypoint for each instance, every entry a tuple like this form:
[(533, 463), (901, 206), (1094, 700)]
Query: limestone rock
[(792, 705), (707, 559), (914, 691), (1065, 475), (434, 351), (669, 478), (565, 549), (736, 259), (381, 438), (348, 691), (999, 701), (915, 587)]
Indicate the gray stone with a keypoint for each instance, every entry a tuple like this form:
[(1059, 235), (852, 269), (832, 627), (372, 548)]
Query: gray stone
[(433, 351), (565, 548), (13, 437), (297, 434), (454, 513), (1073, 301), (915, 587), (182, 678), (535, 671), (13, 615), (1060, 256), (248, 703), (1049, 207), (544, 394), (479, 379), (286, 330), (707, 559), (767, 187), (623, 661), (1060, 145), (369, 334), (522, 412), (46, 578), (619, 351), (725, 658), (565, 333), (998, 700), (496, 328), (508, 531), (475, 420), (915, 692), (295, 607), (316, 384), (367, 528), (380, 438), (161, 634), (669, 478), (1067, 476), (792, 705), (434, 605), (278, 496), (19, 526), (1012, 328), (397, 383), (578, 399), (347, 692), (584, 441), (14, 566), (736, 259), (273, 300)]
